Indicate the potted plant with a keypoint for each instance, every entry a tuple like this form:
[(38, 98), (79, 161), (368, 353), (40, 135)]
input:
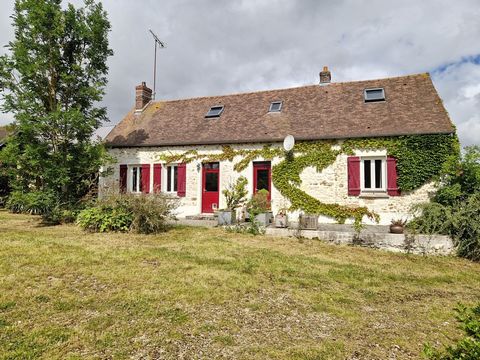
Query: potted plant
[(281, 219), (397, 226), (259, 208), (235, 196)]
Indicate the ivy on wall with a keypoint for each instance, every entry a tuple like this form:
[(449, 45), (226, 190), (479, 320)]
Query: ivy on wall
[(420, 158)]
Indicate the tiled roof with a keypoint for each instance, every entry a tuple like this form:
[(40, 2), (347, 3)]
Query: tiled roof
[(336, 110)]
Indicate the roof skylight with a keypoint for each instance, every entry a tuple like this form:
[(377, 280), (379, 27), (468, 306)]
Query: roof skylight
[(215, 111), (275, 106), (377, 94)]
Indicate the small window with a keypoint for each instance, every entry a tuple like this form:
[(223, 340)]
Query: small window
[(275, 106), (372, 95), (136, 179), (214, 111), (172, 178), (373, 174)]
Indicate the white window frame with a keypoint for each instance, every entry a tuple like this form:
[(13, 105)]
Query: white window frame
[(365, 95), (272, 104), (372, 159), (139, 179), (172, 179)]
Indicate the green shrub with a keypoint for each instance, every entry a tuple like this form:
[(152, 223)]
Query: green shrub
[(460, 221), (34, 203), (465, 228), (236, 193), (139, 213), (467, 348), (259, 203)]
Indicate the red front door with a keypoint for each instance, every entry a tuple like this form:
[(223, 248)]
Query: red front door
[(210, 187), (262, 177)]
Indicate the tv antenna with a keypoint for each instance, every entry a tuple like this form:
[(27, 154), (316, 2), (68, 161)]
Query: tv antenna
[(160, 43)]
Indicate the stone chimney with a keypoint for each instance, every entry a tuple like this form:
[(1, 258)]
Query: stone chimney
[(325, 76), (143, 95)]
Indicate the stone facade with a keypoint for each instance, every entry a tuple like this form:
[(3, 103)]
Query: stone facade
[(329, 186)]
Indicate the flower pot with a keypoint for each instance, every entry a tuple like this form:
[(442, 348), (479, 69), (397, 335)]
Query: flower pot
[(281, 220), (224, 217), (263, 218), (396, 229)]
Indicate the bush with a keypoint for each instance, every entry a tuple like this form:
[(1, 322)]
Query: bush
[(236, 193), (34, 203), (467, 348), (138, 213), (455, 209), (460, 222), (258, 204)]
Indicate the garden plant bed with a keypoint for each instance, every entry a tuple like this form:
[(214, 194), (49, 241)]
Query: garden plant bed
[(205, 293)]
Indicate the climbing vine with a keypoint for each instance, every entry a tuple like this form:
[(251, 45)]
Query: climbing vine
[(420, 158)]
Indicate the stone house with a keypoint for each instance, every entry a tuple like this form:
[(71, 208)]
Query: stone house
[(356, 146)]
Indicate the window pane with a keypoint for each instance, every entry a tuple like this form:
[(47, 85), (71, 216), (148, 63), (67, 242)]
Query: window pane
[(211, 181), (210, 166), (378, 174), (262, 180), (134, 179), (374, 94), (140, 187), (367, 176), (175, 177), (169, 178)]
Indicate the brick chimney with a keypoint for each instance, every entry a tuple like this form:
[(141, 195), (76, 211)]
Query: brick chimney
[(325, 76), (143, 95)]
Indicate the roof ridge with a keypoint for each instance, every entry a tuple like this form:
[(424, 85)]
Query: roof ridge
[(290, 88)]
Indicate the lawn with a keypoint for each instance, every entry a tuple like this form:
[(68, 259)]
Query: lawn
[(203, 293)]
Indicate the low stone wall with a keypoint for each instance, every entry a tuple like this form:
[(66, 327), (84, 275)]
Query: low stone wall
[(419, 244)]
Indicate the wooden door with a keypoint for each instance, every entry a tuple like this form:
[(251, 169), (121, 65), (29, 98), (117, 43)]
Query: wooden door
[(210, 187)]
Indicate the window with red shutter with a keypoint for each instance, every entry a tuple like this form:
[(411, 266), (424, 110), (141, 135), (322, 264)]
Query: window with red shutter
[(157, 178), (123, 178), (392, 187), (353, 167), (181, 179)]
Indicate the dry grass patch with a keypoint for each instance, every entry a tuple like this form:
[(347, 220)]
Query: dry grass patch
[(204, 293)]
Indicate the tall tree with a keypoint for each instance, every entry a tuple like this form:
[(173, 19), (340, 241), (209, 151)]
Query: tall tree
[(52, 80)]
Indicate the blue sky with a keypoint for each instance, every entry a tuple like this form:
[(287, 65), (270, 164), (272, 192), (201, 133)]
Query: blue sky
[(223, 47)]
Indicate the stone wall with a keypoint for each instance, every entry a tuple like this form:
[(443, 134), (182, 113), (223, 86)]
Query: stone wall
[(330, 186), (419, 244)]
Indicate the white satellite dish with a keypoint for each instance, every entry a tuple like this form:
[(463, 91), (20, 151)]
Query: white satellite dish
[(288, 142)]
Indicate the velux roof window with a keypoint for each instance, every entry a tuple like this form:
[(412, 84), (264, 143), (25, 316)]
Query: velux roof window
[(215, 111), (275, 106), (372, 95)]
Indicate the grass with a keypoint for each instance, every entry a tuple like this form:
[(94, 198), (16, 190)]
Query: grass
[(203, 293)]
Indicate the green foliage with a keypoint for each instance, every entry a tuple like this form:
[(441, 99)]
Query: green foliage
[(34, 203), (467, 348), (462, 179), (455, 209), (466, 228), (52, 80), (420, 158), (258, 204), (236, 193), (139, 213)]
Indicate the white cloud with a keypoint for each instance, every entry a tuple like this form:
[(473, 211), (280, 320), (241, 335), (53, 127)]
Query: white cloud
[(219, 47)]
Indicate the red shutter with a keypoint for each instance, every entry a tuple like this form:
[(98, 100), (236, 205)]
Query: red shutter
[(146, 178), (181, 180), (392, 187), (353, 167), (157, 177), (123, 178)]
